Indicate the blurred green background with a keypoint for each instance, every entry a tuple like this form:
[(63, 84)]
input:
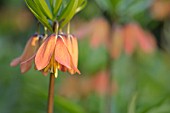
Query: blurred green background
[(128, 83)]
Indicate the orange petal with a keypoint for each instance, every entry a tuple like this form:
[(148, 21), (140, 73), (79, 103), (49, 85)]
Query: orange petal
[(147, 42), (130, 38), (15, 62), (72, 45), (30, 48), (26, 65), (74, 52), (160, 9), (74, 70), (45, 52), (100, 32), (62, 55)]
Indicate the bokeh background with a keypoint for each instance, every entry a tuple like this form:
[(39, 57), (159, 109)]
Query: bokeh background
[(124, 58)]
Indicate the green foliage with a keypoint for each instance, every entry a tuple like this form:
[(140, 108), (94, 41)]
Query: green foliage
[(123, 11), (38, 13), (147, 75), (132, 104), (91, 60), (47, 15), (68, 12), (57, 6)]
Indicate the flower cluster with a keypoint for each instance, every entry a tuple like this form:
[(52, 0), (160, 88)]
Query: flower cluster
[(57, 52)]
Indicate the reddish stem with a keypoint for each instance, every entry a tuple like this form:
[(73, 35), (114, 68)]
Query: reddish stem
[(51, 94)]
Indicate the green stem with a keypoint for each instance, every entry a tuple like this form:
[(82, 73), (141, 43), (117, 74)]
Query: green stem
[(68, 28), (51, 94), (55, 27)]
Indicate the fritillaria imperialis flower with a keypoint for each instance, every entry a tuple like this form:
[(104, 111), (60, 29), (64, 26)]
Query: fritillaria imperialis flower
[(58, 52), (27, 57), (129, 38), (98, 35)]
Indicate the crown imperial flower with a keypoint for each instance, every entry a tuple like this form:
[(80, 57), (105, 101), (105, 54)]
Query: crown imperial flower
[(58, 52)]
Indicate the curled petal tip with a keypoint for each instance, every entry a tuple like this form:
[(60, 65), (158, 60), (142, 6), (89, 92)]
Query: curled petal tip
[(26, 65), (73, 71), (15, 62), (78, 72), (44, 73)]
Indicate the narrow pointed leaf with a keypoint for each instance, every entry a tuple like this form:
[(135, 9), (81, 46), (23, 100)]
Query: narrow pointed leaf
[(57, 6), (81, 5), (38, 14), (51, 3), (68, 12), (44, 22), (33, 7), (44, 8), (132, 104)]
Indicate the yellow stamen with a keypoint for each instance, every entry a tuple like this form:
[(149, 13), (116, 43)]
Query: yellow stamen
[(52, 64), (46, 69), (55, 69), (56, 73)]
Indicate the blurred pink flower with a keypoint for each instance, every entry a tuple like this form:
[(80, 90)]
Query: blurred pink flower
[(160, 9), (99, 83), (125, 38), (129, 38), (102, 84), (98, 30)]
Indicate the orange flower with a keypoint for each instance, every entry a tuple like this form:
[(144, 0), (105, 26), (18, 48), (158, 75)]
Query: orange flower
[(160, 9), (58, 52), (135, 37), (98, 30), (26, 59), (130, 37)]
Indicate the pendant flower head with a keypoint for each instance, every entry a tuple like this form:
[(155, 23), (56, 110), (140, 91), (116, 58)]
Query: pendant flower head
[(58, 52), (27, 57)]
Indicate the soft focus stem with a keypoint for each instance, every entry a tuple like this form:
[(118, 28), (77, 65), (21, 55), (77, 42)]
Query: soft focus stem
[(51, 94), (55, 27), (68, 28)]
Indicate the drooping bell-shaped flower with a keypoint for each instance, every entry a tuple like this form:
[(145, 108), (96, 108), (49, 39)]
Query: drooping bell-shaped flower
[(58, 52), (27, 57)]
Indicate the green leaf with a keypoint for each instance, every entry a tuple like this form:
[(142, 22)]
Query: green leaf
[(51, 3), (68, 106), (33, 7), (44, 7), (38, 14), (81, 5), (68, 12), (132, 105), (57, 6)]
